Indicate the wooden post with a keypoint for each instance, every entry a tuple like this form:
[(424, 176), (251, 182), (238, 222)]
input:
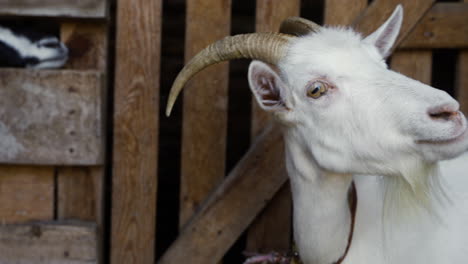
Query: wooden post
[(135, 142), (205, 108), (80, 194), (271, 231)]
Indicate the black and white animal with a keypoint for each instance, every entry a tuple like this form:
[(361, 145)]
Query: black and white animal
[(30, 49), (348, 120)]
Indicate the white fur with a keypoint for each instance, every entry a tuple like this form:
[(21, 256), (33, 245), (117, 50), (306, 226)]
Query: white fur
[(372, 121), (48, 57)]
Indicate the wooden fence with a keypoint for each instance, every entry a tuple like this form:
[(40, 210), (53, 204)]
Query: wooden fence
[(53, 140), (57, 208)]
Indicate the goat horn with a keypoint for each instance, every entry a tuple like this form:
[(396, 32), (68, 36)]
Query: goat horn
[(298, 26), (267, 47)]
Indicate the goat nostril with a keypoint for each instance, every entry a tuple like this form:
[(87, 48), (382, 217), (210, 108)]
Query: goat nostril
[(444, 115)]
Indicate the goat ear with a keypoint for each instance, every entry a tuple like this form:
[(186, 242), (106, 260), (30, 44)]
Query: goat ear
[(385, 36), (266, 86)]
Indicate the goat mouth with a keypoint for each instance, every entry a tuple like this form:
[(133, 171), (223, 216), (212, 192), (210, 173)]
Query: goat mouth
[(463, 135), (56, 58)]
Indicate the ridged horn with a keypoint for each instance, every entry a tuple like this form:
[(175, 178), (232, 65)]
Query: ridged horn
[(298, 26), (267, 47)]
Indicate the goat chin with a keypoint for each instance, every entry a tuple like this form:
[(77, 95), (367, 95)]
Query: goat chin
[(416, 217), (416, 192)]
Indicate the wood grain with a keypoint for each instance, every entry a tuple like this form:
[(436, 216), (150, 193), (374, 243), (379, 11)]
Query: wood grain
[(204, 128), (87, 45), (338, 13), (414, 64), (50, 117), (26, 194), (234, 204), (79, 193), (379, 10), (271, 230), (135, 144), (41, 243), (54, 8), (444, 26)]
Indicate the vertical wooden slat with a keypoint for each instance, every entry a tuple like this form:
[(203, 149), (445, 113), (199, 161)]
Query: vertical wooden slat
[(26, 193), (205, 108), (414, 64), (272, 228), (462, 79), (135, 141), (79, 193), (339, 13), (80, 188)]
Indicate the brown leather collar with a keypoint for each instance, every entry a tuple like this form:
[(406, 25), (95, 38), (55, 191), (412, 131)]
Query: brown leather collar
[(352, 201)]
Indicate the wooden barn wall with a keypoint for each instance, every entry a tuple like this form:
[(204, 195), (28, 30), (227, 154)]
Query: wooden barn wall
[(51, 194), (205, 184)]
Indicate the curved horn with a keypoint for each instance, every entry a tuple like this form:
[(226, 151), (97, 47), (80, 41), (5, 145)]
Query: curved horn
[(267, 47), (298, 26)]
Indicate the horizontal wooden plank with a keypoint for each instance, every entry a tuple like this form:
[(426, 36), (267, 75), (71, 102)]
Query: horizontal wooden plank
[(51, 117), (46, 243), (54, 8), (233, 205), (444, 26), (26, 193)]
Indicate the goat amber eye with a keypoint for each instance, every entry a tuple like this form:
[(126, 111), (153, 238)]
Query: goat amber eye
[(317, 89)]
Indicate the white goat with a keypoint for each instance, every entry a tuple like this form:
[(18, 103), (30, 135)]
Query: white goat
[(20, 49), (346, 116)]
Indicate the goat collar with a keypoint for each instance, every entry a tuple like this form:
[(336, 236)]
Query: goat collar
[(352, 202)]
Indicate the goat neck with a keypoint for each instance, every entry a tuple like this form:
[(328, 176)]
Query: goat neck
[(322, 219)]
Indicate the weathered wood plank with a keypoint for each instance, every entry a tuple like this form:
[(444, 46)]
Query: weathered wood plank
[(42, 243), (26, 194), (414, 64), (50, 117), (87, 43), (79, 191), (234, 204), (444, 26), (271, 230), (135, 145), (379, 10), (204, 128), (340, 13), (54, 8)]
